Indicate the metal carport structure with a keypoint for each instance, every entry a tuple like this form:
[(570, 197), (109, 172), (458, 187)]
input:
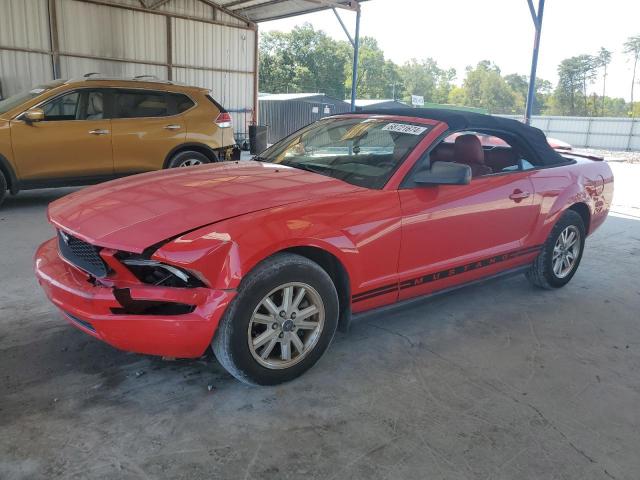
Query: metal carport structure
[(72, 46), (265, 10)]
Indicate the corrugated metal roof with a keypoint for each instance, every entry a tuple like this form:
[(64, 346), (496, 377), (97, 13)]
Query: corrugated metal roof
[(265, 10)]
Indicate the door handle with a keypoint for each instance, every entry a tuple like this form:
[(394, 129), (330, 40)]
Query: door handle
[(99, 131), (173, 127), (518, 195)]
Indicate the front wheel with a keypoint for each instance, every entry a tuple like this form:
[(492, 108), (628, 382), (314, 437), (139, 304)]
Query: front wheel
[(280, 323), (561, 254)]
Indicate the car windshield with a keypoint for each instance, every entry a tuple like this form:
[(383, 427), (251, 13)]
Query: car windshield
[(16, 100), (361, 151)]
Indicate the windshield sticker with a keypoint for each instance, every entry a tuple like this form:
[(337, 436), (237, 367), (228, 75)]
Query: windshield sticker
[(405, 128)]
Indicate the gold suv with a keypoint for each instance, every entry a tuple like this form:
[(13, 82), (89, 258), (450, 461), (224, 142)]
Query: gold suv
[(84, 131)]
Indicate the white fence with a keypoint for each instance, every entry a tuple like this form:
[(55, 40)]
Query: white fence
[(608, 133)]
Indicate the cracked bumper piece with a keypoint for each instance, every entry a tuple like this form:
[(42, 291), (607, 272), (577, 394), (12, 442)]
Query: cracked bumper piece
[(97, 309)]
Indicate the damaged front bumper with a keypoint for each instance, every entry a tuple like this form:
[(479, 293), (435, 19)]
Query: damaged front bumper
[(118, 314)]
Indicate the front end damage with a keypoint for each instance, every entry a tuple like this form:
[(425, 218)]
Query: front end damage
[(128, 301)]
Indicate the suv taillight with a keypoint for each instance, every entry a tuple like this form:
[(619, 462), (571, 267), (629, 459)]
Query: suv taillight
[(224, 120)]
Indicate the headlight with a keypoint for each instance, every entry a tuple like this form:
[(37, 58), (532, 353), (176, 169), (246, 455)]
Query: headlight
[(161, 274)]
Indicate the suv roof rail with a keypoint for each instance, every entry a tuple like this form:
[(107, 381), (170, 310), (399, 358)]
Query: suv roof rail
[(138, 78)]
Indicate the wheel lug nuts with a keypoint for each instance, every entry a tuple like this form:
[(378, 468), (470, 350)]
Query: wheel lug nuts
[(293, 316), (274, 325), (283, 313), (281, 335)]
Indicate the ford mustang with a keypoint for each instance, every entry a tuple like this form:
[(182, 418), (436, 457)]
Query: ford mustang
[(264, 260)]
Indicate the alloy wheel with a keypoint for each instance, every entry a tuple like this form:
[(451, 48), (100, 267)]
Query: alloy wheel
[(191, 162), (286, 325), (566, 251)]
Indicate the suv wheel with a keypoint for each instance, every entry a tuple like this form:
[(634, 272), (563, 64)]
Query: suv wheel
[(188, 158), (3, 187), (280, 323)]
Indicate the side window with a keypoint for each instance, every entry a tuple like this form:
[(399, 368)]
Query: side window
[(485, 153), (95, 105), (141, 104), (182, 102), (64, 107)]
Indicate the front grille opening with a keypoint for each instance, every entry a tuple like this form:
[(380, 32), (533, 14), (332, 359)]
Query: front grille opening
[(146, 307), (82, 254)]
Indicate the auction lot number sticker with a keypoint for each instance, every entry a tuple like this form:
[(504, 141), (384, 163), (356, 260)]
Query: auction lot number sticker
[(405, 128)]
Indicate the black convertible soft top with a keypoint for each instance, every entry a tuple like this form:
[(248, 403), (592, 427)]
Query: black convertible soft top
[(461, 120)]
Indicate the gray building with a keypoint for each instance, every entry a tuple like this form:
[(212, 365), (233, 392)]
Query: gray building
[(368, 104), (287, 112)]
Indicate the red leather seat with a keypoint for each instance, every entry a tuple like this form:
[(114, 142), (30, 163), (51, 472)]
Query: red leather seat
[(468, 150)]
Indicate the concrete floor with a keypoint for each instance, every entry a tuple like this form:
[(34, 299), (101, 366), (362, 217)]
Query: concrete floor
[(498, 381)]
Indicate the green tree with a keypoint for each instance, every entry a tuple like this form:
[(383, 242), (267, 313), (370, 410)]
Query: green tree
[(569, 88), (586, 65), (304, 60), (457, 96), (632, 47), (486, 88), (519, 84), (604, 59), (373, 71), (427, 79), (277, 69)]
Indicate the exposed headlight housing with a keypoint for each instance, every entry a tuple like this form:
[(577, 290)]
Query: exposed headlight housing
[(157, 273)]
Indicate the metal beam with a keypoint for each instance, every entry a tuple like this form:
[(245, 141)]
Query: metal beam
[(224, 9), (256, 79), (352, 5), (158, 4), (169, 48), (125, 60), (356, 54), (344, 27), (55, 38), (230, 5), (249, 24), (270, 3), (534, 15), (537, 21)]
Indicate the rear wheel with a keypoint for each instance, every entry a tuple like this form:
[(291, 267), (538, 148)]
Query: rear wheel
[(188, 158), (280, 323), (3, 187), (561, 254)]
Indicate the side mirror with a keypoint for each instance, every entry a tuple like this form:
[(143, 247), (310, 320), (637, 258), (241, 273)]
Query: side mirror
[(445, 173), (34, 115)]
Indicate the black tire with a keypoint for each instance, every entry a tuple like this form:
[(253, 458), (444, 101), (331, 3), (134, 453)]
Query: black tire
[(541, 274), (3, 187), (181, 159), (231, 341)]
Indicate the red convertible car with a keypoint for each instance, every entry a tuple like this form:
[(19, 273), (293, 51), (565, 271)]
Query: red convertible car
[(264, 260)]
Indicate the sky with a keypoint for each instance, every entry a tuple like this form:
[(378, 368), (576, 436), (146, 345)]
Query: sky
[(457, 33)]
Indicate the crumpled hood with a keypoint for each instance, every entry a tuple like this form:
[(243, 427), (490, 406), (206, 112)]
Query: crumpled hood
[(134, 213)]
